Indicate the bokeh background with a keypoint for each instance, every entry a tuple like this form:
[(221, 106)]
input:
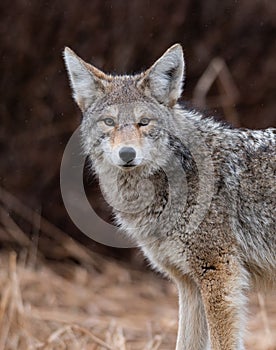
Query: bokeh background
[(37, 112), (234, 39)]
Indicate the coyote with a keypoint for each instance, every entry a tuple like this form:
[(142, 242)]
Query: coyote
[(196, 195)]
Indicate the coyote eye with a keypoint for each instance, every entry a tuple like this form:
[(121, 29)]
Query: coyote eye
[(144, 122), (109, 121)]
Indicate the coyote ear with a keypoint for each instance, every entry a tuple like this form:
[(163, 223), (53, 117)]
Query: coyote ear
[(87, 82), (164, 79)]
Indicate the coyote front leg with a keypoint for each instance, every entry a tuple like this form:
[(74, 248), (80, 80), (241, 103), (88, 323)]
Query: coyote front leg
[(192, 327), (222, 290)]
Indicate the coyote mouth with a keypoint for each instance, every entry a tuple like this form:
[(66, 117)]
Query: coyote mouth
[(128, 166)]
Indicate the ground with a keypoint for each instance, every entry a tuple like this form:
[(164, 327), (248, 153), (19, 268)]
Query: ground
[(101, 305)]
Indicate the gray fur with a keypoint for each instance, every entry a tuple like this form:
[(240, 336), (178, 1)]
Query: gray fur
[(199, 202)]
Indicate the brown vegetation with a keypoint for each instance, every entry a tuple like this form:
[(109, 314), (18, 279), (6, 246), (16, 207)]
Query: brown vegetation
[(105, 305)]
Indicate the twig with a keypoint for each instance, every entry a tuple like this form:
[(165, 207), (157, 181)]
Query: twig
[(5, 319), (11, 302), (35, 239), (155, 343), (55, 335), (229, 95), (13, 229), (34, 218), (16, 293)]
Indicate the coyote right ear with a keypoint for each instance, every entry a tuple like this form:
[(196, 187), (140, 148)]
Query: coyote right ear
[(164, 79), (87, 82)]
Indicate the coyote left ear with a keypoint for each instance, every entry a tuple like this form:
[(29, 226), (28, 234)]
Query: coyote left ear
[(164, 79)]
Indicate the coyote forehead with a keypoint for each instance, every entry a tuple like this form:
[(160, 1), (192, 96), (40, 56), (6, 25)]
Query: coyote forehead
[(121, 90)]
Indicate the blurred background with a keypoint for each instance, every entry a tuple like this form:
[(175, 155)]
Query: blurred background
[(230, 55), (230, 42)]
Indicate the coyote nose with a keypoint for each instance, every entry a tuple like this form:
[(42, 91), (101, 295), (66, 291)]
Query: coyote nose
[(127, 154)]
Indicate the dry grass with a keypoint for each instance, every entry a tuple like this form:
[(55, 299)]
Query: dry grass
[(93, 303), (109, 306), (67, 306)]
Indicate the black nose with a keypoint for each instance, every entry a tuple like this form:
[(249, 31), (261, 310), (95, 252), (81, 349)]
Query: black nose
[(127, 154)]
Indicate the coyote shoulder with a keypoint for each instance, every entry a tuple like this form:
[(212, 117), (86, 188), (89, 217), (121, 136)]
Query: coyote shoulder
[(197, 196)]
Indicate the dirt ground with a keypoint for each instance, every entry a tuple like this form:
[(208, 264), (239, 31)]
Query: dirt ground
[(100, 305)]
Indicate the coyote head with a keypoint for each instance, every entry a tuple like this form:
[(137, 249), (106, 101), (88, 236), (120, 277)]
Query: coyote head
[(126, 119)]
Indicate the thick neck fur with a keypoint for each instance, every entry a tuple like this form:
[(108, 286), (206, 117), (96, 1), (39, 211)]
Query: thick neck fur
[(143, 200)]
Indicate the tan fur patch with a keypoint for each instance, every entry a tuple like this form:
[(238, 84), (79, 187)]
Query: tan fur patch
[(129, 134)]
